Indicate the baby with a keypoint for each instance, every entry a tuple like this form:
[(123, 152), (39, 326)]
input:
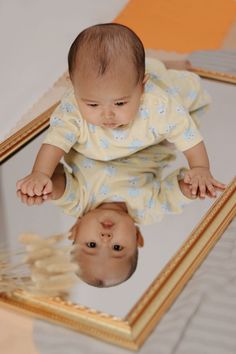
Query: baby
[(119, 105), (115, 109), (109, 199)]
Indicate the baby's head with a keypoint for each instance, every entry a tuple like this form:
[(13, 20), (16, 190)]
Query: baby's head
[(107, 70), (106, 245)]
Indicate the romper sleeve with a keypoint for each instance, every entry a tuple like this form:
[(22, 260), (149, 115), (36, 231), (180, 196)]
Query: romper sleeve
[(185, 86), (71, 202), (64, 129), (174, 123)]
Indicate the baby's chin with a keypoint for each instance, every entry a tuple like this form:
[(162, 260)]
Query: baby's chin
[(111, 211)]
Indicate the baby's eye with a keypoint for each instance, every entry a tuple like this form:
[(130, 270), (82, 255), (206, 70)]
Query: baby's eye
[(91, 244), (121, 103), (92, 104), (117, 247)]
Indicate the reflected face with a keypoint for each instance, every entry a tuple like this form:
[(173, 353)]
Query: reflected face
[(107, 239), (111, 100)]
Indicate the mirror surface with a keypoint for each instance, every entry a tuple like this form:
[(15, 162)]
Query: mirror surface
[(162, 240)]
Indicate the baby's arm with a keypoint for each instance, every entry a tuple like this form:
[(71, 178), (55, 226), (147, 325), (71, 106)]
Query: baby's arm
[(199, 175), (39, 182)]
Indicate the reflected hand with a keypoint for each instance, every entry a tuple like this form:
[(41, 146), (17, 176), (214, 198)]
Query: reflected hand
[(35, 200), (35, 184), (202, 182)]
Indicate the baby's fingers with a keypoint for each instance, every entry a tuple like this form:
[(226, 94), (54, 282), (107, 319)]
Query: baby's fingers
[(218, 184), (194, 186), (33, 200), (48, 188), (25, 187), (22, 183), (19, 184), (214, 185), (25, 199), (29, 200), (202, 189), (211, 190), (39, 188), (47, 196), (38, 200), (187, 178), (29, 188)]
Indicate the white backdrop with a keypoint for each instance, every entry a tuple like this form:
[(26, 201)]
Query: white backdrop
[(35, 36)]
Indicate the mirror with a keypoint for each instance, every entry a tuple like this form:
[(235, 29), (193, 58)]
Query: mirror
[(125, 314)]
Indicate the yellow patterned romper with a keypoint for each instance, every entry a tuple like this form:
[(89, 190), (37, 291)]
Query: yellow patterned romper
[(124, 164)]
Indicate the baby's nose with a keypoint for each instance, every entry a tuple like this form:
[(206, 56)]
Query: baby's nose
[(108, 114), (106, 235)]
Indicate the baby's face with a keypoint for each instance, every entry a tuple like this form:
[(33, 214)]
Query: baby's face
[(106, 239), (111, 100)]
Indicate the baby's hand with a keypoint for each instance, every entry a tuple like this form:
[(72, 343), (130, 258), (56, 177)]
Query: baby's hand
[(202, 183), (36, 184), (35, 200)]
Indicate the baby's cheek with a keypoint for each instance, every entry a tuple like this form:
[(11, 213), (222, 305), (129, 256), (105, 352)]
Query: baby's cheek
[(91, 117), (128, 116), (84, 113), (134, 112)]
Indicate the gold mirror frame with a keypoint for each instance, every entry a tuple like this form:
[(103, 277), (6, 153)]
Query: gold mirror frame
[(25, 134), (132, 330)]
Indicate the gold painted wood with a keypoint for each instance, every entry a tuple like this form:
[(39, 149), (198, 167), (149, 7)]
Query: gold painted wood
[(215, 75), (46, 104), (132, 331), (25, 134)]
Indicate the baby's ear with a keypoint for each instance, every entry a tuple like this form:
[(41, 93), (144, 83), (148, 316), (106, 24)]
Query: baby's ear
[(140, 239), (73, 231), (146, 77)]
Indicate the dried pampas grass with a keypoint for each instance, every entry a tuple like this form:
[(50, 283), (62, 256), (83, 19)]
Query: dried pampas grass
[(45, 267)]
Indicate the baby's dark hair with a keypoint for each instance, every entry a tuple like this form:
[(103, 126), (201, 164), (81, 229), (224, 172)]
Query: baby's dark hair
[(101, 284), (105, 43)]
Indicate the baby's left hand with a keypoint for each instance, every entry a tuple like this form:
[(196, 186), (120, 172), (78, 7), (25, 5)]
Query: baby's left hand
[(202, 182)]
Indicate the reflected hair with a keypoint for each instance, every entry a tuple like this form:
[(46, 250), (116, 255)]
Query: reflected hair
[(101, 45), (102, 284)]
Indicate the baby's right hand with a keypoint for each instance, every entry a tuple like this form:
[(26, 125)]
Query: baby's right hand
[(35, 184)]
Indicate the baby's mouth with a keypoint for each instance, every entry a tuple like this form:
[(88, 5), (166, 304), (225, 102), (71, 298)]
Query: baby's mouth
[(107, 223), (112, 125)]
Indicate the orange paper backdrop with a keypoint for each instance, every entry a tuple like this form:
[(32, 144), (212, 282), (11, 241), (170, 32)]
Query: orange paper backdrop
[(180, 25)]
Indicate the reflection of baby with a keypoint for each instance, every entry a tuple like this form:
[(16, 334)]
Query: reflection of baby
[(109, 198), (114, 110)]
